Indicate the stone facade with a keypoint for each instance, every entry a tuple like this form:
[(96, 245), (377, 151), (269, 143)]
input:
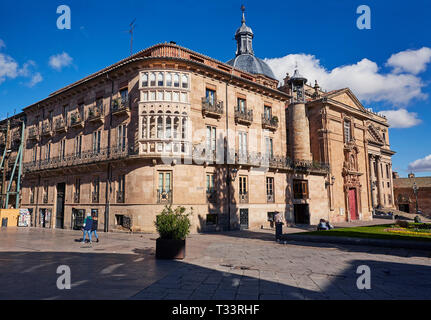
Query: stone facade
[(405, 198), (171, 126)]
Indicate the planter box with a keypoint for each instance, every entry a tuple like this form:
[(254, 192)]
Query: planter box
[(170, 249)]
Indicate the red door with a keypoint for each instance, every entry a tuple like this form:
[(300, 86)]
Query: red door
[(352, 205)]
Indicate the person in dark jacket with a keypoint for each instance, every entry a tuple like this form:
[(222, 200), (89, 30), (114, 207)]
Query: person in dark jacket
[(88, 224), (94, 228)]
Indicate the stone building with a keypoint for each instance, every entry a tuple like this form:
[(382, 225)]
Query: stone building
[(168, 125), (405, 197)]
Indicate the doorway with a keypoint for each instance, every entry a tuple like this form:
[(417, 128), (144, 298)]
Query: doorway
[(404, 207), (243, 219), (78, 216), (59, 223), (302, 213), (353, 207)]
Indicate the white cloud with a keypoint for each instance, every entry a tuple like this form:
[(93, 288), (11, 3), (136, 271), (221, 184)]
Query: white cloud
[(421, 165), (35, 79), (411, 61), (364, 78), (60, 60), (8, 67), (401, 118)]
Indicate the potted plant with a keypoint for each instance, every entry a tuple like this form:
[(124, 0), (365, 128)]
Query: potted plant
[(173, 226)]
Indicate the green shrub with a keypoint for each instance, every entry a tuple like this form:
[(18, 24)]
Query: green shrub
[(402, 223), (173, 224)]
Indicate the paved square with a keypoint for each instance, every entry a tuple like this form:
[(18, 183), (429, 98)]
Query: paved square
[(231, 265)]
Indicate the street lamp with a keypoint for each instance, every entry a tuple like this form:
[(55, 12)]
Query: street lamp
[(231, 176), (415, 191)]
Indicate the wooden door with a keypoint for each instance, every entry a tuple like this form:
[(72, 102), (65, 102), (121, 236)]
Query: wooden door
[(353, 205)]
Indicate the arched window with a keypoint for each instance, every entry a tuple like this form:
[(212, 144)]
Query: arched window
[(176, 80), (184, 127), (176, 126), (176, 96), (152, 79), (159, 95), (145, 79), (160, 126), (144, 127), (160, 79), (168, 96), (185, 81), (169, 79), (152, 125), (168, 131)]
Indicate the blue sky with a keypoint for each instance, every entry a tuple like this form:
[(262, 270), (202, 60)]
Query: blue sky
[(320, 36)]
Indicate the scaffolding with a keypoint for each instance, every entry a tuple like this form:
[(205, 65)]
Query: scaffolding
[(7, 182)]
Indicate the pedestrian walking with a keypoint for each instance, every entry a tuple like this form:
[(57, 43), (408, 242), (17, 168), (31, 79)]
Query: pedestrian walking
[(94, 228), (88, 224)]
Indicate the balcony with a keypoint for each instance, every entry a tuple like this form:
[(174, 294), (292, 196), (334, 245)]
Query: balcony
[(164, 196), (76, 120), (244, 116), (120, 107), (243, 197), (95, 114), (270, 123), (33, 133), (47, 129), (95, 197), (120, 196), (60, 125), (76, 197), (212, 109)]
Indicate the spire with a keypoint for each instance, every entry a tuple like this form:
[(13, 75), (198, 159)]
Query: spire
[(244, 37)]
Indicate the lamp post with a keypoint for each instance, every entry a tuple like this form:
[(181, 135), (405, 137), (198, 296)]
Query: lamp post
[(415, 191), (231, 176)]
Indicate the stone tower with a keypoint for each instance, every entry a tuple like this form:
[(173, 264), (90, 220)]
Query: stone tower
[(300, 132)]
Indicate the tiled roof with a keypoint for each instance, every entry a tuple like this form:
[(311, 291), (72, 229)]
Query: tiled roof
[(421, 182)]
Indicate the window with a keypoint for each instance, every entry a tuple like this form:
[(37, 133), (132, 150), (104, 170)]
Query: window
[(269, 148), (96, 141), (241, 105), (176, 80), (160, 81), (45, 192), (96, 189), (211, 139), (160, 95), (390, 198), (121, 188), (212, 219), (34, 155), (168, 96), (184, 128), (210, 182), (242, 142), (152, 79), (62, 149), (176, 96), (153, 95), (185, 81), (300, 189), (77, 190), (121, 137), (32, 193), (183, 97), (124, 96), (99, 104), (243, 188), (169, 79), (347, 133), (78, 146), (210, 95), (145, 80), (270, 189), (48, 151), (267, 111), (164, 191), (387, 171)]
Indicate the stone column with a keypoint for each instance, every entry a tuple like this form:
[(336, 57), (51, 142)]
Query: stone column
[(300, 132), (379, 182), (372, 179)]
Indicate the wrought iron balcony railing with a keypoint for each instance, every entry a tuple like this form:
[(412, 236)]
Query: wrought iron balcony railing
[(164, 196), (33, 133), (270, 123), (46, 129), (76, 120), (212, 108), (119, 107), (95, 114), (244, 115), (82, 158), (60, 125)]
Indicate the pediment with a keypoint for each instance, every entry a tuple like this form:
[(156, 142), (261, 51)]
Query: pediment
[(346, 96), (373, 135)]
